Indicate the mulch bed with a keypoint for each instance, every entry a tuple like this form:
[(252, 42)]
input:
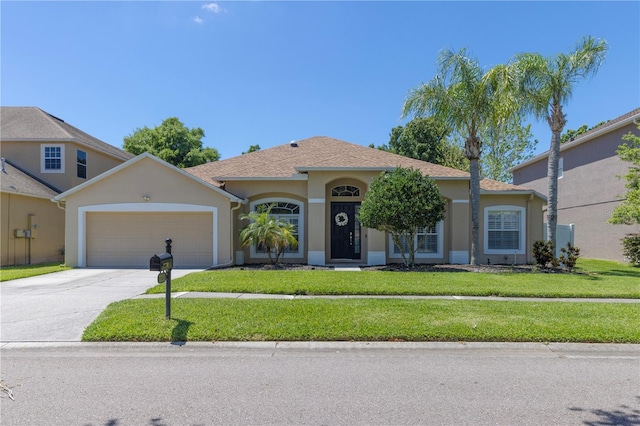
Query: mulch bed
[(401, 268)]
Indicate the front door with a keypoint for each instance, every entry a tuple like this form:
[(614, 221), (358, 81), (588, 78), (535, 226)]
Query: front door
[(345, 231)]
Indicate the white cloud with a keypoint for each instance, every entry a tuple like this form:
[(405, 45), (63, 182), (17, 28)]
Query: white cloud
[(198, 20), (213, 7)]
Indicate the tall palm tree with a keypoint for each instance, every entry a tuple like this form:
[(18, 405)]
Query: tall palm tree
[(546, 87), (468, 100)]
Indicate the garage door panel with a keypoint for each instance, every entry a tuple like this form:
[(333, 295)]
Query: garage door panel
[(130, 239)]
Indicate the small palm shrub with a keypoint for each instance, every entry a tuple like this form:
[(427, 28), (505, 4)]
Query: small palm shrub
[(631, 248), (544, 253), (268, 233), (569, 256)]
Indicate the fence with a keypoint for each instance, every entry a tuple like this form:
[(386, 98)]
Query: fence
[(564, 234)]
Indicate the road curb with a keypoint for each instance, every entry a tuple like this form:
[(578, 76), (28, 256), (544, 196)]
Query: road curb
[(550, 349)]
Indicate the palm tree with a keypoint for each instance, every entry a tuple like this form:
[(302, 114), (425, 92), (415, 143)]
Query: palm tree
[(265, 231), (469, 102), (546, 86)]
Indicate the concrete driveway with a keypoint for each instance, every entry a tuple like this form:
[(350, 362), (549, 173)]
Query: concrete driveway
[(58, 307)]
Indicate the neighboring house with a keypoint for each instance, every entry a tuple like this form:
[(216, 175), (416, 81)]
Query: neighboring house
[(122, 217), (589, 187), (42, 157)]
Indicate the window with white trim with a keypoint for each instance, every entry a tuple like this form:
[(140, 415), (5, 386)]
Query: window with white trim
[(428, 243), (81, 160), (287, 210), (504, 230), (52, 158)]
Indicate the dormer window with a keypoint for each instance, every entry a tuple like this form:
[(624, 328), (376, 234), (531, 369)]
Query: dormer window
[(52, 158)]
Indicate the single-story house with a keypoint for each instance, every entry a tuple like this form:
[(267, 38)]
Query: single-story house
[(589, 185), (42, 156), (122, 217)]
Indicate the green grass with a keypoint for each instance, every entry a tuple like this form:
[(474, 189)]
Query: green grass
[(593, 279), (14, 272), (366, 320), (385, 319)]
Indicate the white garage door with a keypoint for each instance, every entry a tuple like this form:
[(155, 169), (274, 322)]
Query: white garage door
[(130, 239)]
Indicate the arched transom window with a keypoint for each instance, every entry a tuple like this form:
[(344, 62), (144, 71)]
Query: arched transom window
[(345, 191)]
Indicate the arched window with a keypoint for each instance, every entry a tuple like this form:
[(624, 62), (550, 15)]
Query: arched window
[(345, 191), (287, 210)]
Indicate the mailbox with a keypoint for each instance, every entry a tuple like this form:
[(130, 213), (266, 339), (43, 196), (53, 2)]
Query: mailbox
[(161, 262)]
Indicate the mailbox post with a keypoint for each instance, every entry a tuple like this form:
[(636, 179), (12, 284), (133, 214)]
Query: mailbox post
[(167, 303), (163, 263)]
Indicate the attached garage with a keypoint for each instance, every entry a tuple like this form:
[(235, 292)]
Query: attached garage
[(122, 217), (129, 239)]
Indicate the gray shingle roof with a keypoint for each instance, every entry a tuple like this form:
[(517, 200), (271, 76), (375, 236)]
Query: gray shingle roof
[(15, 181), (34, 124)]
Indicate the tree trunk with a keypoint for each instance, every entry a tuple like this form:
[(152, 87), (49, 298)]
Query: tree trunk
[(556, 122), (552, 190), (411, 236), (474, 168), (395, 237)]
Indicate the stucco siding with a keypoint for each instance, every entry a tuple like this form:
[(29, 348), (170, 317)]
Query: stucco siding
[(533, 176), (531, 208), (28, 155), (45, 224), (166, 191), (588, 191)]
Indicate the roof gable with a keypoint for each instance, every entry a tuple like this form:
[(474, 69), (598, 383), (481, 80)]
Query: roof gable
[(137, 159), (34, 124)]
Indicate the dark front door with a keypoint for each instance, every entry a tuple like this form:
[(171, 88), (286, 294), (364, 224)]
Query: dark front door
[(345, 231)]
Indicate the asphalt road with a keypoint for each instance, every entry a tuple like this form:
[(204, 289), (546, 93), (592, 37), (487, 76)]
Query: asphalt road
[(321, 384)]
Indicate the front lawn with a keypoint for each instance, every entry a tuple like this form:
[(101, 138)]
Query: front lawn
[(366, 320), (25, 271), (373, 319), (594, 279)]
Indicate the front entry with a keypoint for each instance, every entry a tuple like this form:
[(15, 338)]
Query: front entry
[(345, 231)]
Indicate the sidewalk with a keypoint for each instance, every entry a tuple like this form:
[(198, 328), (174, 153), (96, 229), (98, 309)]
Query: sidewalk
[(214, 295)]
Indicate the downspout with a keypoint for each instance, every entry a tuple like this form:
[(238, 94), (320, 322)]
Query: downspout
[(30, 226), (529, 229), (9, 230), (230, 262)]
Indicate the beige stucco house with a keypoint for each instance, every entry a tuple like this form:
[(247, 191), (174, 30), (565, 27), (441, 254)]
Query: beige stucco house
[(42, 156), (122, 217), (588, 185)]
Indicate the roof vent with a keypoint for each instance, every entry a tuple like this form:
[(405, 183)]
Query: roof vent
[(293, 144)]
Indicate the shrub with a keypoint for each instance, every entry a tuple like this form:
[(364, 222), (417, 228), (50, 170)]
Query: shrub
[(543, 251), (631, 248), (569, 256)]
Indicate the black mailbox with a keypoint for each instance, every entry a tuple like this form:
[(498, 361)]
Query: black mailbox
[(161, 262)]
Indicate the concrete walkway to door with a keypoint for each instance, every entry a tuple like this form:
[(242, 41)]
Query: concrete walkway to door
[(58, 307)]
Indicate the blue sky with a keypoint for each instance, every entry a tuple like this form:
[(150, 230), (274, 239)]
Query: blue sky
[(265, 72)]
